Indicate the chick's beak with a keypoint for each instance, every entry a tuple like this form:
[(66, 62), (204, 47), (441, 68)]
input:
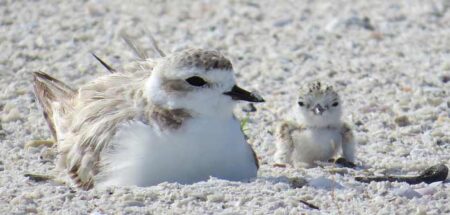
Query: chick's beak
[(238, 93), (318, 110)]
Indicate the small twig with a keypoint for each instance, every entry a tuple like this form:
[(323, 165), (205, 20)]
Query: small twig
[(435, 173), (309, 205), (281, 165), (38, 178)]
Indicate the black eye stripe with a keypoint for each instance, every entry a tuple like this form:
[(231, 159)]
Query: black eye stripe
[(335, 104), (196, 81)]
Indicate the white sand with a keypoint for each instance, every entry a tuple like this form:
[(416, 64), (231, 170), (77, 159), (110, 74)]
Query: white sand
[(395, 70)]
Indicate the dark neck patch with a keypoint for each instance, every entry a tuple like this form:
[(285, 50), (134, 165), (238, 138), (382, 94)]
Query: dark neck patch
[(171, 119)]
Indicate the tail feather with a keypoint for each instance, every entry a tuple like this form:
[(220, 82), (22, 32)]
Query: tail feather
[(132, 44), (49, 92), (138, 51), (107, 66)]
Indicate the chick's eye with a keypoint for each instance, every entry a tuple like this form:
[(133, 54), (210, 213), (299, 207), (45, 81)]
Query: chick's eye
[(335, 104), (301, 104), (196, 81)]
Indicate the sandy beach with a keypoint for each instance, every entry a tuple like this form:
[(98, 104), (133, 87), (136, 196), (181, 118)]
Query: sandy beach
[(389, 61)]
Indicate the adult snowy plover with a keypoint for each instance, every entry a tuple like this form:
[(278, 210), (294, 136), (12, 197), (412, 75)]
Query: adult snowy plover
[(171, 123), (316, 133)]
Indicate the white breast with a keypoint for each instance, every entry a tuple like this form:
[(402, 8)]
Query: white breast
[(201, 148), (315, 145)]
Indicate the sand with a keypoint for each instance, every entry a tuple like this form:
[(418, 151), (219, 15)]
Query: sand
[(390, 61)]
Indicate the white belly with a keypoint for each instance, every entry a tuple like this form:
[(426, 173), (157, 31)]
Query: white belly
[(198, 150), (315, 145)]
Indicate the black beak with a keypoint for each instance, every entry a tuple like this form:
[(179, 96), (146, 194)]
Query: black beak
[(318, 110), (238, 93)]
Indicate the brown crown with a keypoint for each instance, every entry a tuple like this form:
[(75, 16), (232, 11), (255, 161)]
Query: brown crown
[(317, 88), (202, 59)]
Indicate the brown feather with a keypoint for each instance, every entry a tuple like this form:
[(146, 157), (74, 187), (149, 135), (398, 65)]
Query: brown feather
[(49, 90), (285, 143), (101, 106)]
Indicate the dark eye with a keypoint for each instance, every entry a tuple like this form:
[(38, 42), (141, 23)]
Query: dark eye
[(335, 104), (196, 81), (301, 104)]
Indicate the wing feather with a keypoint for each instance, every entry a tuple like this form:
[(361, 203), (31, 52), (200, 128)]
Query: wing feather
[(55, 98)]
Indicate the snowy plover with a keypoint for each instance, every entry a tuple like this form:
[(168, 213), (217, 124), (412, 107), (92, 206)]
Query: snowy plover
[(172, 123), (317, 132)]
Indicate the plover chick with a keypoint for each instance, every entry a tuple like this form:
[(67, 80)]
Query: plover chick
[(173, 123), (316, 132)]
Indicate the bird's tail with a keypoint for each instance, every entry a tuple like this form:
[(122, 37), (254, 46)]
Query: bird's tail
[(55, 98)]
